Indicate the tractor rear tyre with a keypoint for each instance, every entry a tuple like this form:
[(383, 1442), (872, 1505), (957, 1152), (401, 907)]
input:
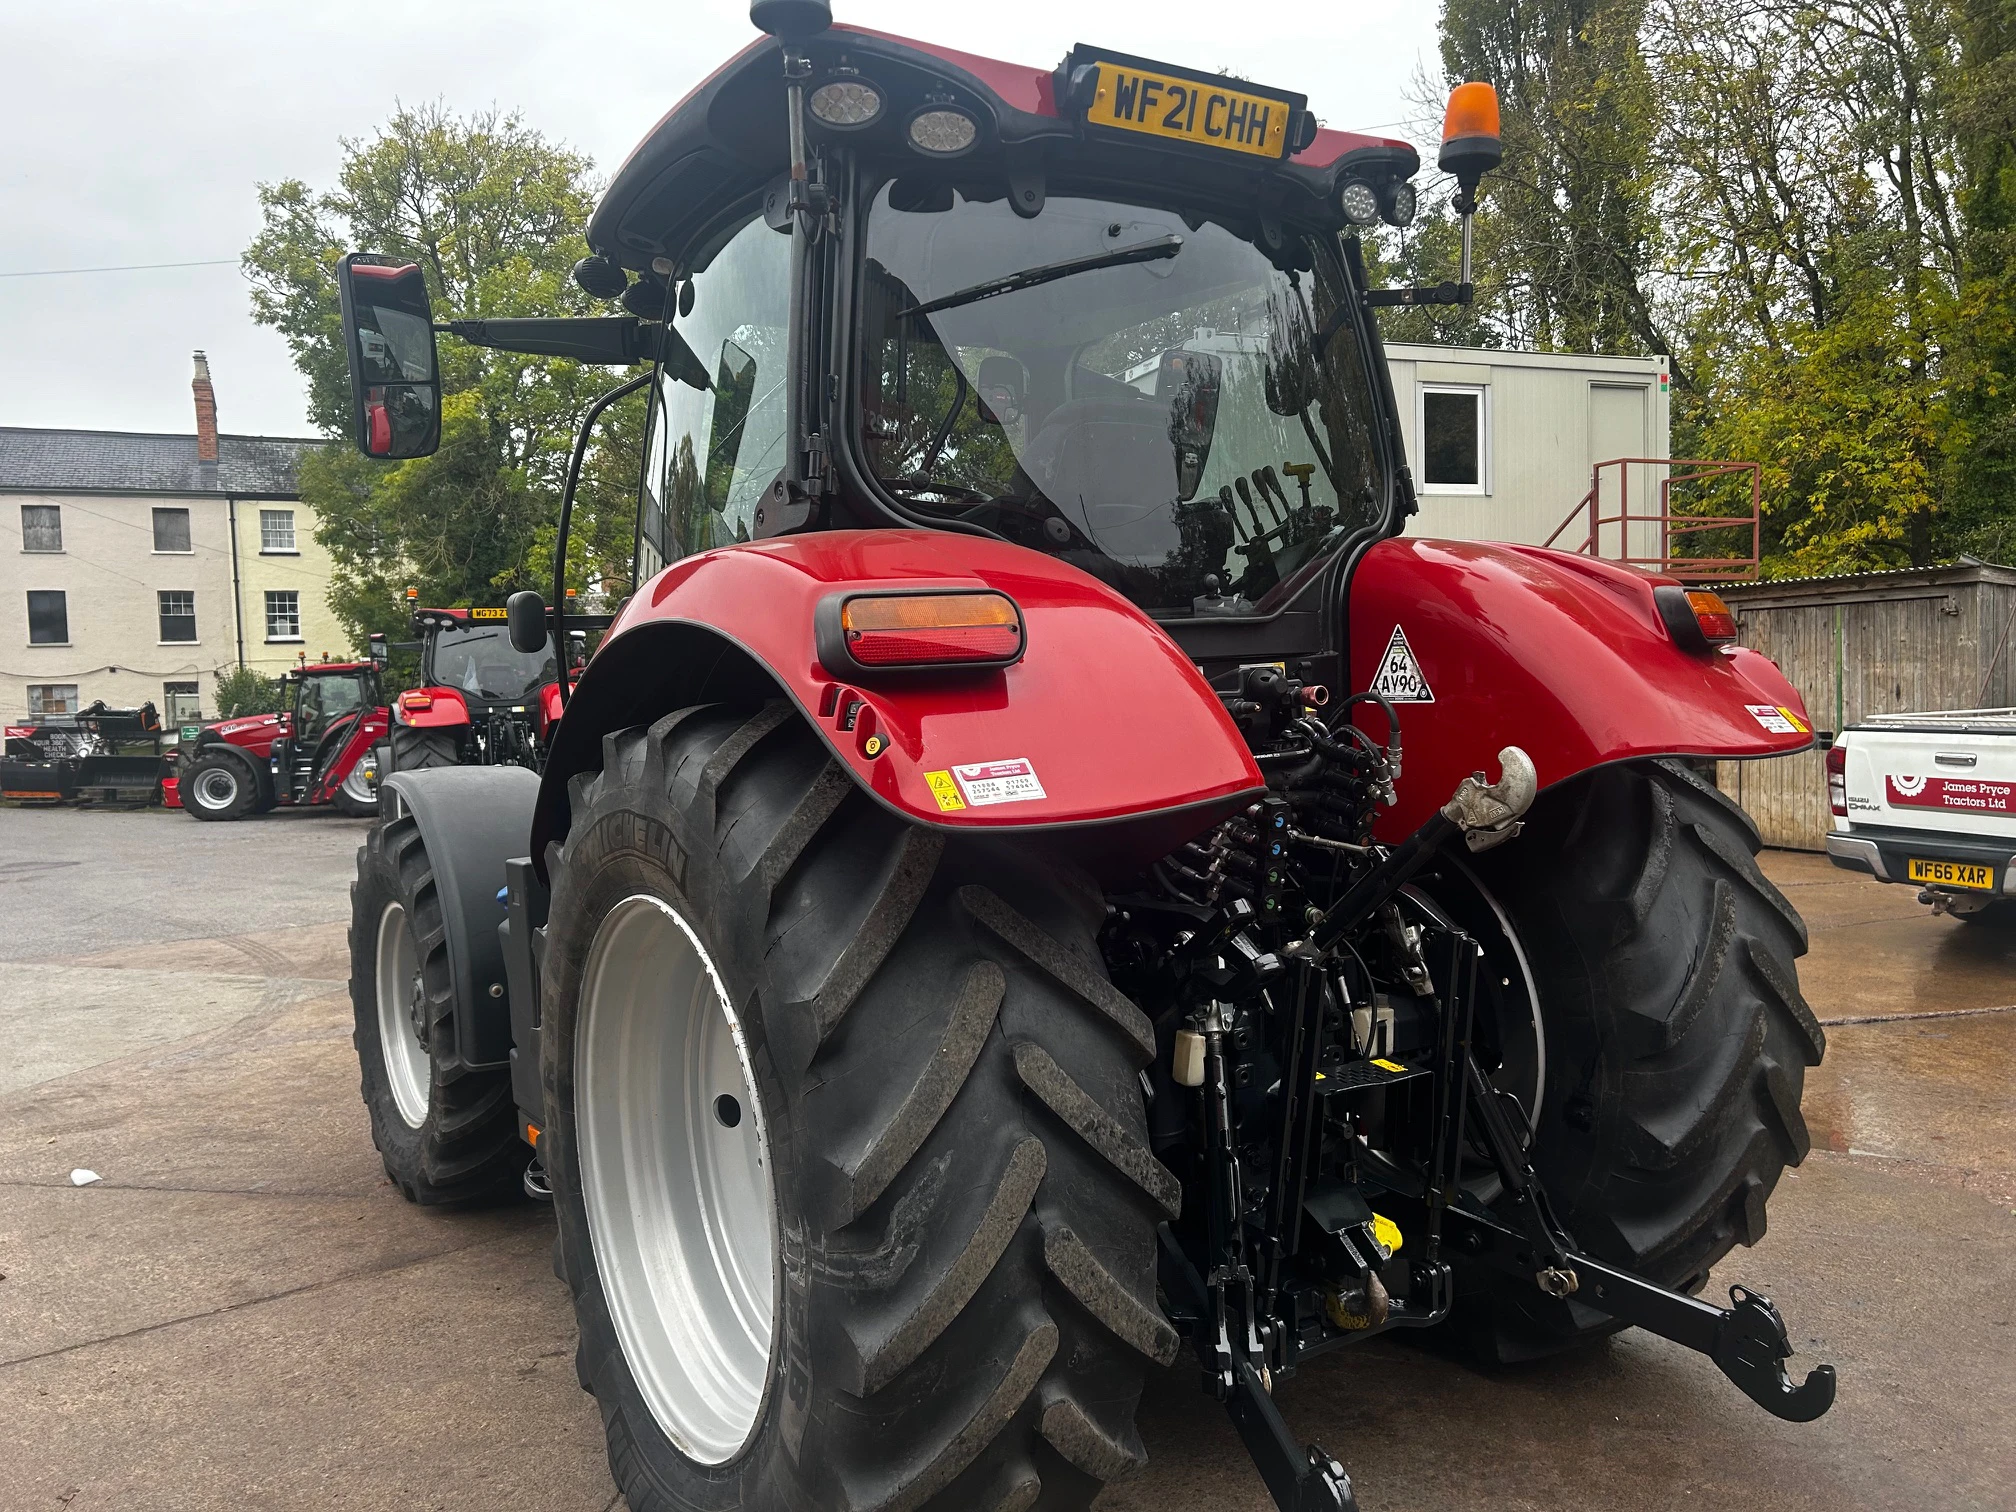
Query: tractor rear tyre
[(447, 1133), (1677, 1041), (219, 784), (846, 1141), (417, 750)]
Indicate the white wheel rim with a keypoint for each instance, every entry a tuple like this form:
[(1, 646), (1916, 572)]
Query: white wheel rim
[(217, 787), (679, 1205), (408, 1069), (358, 785)]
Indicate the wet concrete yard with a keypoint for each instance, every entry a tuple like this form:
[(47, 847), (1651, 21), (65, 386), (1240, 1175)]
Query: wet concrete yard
[(244, 1314)]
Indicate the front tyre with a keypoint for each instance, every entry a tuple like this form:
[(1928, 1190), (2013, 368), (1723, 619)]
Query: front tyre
[(1676, 1037), (447, 1133), (219, 784), (846, 1142)]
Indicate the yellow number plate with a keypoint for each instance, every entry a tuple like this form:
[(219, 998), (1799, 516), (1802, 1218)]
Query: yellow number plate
[(1185, 110), (476, 614), (1953, 874)]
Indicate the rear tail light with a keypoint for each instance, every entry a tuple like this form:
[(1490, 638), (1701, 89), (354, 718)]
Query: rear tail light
[(1837, 780), (1696, 618), (874, 631), (416, 701), (1716, 619)]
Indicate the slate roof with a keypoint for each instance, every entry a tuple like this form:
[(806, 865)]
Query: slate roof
[(134, 462)]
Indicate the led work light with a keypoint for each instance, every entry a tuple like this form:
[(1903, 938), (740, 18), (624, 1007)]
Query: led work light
[(845, 104), (943, 131)]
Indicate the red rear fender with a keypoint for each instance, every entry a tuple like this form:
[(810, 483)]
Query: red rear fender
[(430, 709), (1103, 725), (1561, 655)]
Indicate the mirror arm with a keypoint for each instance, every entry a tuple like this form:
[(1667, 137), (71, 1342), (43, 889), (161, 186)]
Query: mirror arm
[(616, 340), (560, 616)]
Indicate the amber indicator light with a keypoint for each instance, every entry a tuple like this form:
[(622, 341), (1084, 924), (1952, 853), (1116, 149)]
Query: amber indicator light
[(1716, 619), (898, 629), (1472, 112)]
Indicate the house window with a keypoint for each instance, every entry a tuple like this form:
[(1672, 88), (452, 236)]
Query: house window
[(41, 527), (171, 530), (283, 614), (181, 703), (52, 698), (1453, 434), (48, 618), (178, 615), (276, 530)]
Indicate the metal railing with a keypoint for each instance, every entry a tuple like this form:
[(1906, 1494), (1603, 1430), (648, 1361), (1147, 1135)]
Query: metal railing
[(1648, 538)]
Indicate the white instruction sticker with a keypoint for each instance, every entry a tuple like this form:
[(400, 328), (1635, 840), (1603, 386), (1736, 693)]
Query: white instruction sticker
[(1776, 720), (1400, 678), (985, 782)]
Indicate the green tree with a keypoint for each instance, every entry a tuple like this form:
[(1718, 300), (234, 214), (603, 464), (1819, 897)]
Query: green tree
[(1807, 162), (243, 691), (1981, 439), (1568, 233), (492, 212)]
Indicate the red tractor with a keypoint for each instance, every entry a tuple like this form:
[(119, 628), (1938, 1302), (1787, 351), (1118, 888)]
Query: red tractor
[(972, 937), (480, 702), (323, 747)]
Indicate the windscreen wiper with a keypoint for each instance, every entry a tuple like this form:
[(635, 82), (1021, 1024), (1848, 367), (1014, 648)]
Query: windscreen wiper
[(1155, 250)]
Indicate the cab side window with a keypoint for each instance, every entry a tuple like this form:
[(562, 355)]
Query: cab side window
[(714, 453)]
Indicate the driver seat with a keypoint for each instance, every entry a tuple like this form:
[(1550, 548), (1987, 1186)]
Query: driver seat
[(1109, 467)]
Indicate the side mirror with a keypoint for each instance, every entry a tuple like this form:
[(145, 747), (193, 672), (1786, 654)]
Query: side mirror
[(395, 381), (525, 620), (380, 653), (1188, 382)]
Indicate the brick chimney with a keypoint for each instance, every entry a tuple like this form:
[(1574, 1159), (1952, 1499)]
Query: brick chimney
[(206, 411)]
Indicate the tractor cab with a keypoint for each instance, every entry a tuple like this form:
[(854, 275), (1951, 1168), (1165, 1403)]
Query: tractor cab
[(469, 651), (1114, 312), (324, 704)]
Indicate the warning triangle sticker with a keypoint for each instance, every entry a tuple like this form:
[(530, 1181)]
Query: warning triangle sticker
[(1400, 678)]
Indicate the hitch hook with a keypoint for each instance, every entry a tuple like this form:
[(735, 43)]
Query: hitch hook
[(1751, 1350), (1491, 813)]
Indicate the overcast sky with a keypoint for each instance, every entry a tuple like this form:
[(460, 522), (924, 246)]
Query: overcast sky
[(135, 130)]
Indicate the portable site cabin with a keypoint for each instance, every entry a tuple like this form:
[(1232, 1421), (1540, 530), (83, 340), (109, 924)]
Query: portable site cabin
[(1502, 444)]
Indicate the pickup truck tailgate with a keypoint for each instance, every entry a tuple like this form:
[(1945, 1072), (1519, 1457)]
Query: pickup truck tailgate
[(1946, 772)]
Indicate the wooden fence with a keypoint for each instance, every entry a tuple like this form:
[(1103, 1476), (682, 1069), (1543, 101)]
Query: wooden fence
[(1869, 643)]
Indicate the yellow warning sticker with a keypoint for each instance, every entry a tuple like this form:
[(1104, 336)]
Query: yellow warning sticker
[(1386, 1065), (1797, 723), (945, 790)]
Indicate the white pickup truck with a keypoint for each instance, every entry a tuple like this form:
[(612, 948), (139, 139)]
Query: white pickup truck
[(1930, 799)]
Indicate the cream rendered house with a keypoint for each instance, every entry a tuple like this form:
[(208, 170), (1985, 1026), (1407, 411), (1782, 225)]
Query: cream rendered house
[(138, 568)]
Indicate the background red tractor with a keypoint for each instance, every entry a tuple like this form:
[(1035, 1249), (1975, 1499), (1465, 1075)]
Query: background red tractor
[(324, 746), (480, 701), (972, 938)]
